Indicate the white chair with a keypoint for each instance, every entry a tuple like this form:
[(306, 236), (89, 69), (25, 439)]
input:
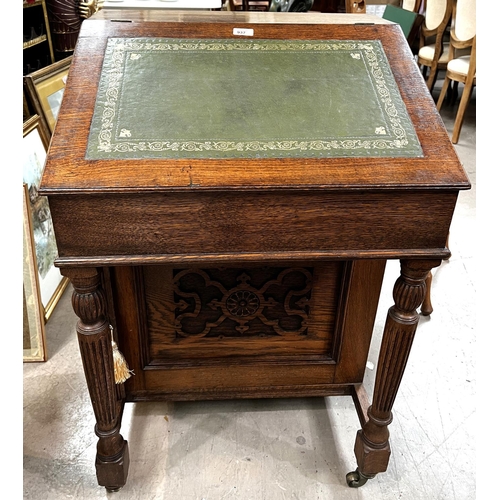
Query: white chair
[(411, 5), (433, 50), (461, 68)]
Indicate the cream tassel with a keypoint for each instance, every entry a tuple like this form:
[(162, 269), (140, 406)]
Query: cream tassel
[(121, 369)]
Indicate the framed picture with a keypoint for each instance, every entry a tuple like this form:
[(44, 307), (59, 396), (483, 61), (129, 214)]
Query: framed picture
[(33, 315), (26, 109), (45, 89), (50, 281)]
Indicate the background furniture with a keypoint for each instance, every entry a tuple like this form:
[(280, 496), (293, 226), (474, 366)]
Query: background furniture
[(65, 20), (461, 68), (340, 6), (412, 5), (409, 21), (290, 5), (37, 39), (355, 6), (433, 50), (179, 257), (163, 5)]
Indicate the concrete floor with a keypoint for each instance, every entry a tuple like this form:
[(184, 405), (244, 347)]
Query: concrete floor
[(278, 449)]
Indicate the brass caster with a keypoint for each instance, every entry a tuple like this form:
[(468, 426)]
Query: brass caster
[(356, 479), (113, 489)]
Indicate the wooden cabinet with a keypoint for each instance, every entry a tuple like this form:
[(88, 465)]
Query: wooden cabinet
[(37, 40), (233, 241)]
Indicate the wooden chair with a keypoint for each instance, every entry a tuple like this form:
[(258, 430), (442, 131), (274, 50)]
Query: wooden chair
[(412, 5), (461, 68), (433, 50)]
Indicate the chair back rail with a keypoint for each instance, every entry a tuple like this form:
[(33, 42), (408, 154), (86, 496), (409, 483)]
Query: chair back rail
[(433, 50), (413, 5), (464, 20)]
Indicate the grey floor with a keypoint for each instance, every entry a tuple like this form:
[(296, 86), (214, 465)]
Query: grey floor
[(278, 449)]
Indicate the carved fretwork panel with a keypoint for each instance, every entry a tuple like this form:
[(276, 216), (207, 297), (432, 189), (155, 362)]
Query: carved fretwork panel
[(239, 303), (269, 312)]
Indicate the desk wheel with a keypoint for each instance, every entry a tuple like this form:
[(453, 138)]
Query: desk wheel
[(355, 479)]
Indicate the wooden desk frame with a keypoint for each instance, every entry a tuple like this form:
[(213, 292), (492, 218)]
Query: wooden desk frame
[(399, 209)]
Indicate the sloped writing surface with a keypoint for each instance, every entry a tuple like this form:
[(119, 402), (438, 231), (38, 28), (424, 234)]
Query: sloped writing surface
[(197, 98)]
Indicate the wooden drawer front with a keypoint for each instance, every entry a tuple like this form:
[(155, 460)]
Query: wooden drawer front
[(266, 312)]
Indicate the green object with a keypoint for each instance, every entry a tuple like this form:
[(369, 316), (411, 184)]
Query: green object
[(405, 18), (190, 98)]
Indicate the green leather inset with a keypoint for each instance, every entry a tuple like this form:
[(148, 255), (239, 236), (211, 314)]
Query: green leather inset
[(180, 98)]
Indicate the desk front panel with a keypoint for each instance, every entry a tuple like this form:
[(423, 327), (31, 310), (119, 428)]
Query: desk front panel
[(217, 331), (200, 223)]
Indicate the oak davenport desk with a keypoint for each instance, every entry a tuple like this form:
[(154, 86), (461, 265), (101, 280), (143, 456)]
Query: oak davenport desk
[(225, 194)]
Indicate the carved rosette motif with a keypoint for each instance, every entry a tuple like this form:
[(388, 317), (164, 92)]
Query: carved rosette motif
[(242, 303), (209, 303)]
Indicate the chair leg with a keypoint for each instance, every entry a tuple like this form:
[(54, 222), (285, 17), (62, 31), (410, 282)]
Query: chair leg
[(454, 93), (464, 101), (442, 95), (431, 80)]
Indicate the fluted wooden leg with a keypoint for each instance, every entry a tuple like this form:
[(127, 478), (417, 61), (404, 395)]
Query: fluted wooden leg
[(94, 338), (372, 448)]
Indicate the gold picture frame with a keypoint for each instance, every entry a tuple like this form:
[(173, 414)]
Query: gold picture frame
[(45, 89), (33, 316), (51, 284)]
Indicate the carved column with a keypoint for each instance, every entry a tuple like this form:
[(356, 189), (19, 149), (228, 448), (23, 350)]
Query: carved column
[(372, 448), (94, 337)]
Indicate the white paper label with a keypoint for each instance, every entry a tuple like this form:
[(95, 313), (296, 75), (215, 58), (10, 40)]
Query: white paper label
[(242, 32)]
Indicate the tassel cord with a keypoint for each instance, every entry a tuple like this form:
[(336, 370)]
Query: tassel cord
[(121, 369)]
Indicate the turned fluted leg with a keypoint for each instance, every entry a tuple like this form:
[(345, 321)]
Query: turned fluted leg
[(89, 304), (372, 448)]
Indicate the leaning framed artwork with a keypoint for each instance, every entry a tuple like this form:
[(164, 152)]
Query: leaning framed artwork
[(45, 89), (33, 315), (50, 281)]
